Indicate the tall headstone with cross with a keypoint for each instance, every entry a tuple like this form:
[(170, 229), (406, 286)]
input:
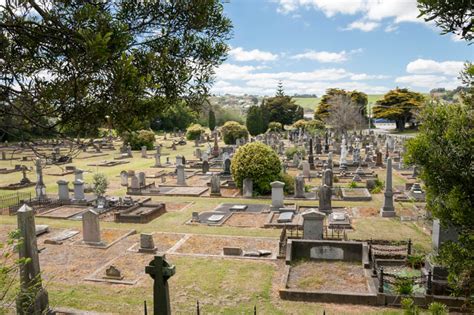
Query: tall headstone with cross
[(160, 271), (388, 209)]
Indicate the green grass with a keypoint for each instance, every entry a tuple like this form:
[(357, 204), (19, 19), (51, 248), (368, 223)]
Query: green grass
[(313, 102)]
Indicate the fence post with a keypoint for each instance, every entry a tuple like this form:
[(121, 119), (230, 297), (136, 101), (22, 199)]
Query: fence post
[(429, 284), (374, 267), (381, 280), (409, 247), (145, 309), (255, 310), (197, 307)]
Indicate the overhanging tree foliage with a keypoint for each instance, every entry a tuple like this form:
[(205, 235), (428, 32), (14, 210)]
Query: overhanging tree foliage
[(452, 16), (67, 64), (398, 105)]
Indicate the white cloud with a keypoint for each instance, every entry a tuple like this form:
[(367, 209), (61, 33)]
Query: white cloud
[(372, 11), (391, 28), (428, 66), (238, 80), (365, 26), (240, 54), (326, 56), (428, 81), (456, 38)]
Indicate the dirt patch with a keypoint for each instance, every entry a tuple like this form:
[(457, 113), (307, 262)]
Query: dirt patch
[(176, 206), (213, 245), (332, 276), (368, 211), (254, 220)]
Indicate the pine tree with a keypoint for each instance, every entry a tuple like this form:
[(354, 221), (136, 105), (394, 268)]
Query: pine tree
[(280, 92)]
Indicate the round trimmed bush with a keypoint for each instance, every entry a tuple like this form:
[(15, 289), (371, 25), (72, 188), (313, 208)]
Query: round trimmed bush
[(139, 139), (194, 131), (259, 162), (275, 126), (232, 131)]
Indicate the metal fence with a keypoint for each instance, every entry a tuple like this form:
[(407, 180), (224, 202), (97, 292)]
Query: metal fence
[(12, 201)]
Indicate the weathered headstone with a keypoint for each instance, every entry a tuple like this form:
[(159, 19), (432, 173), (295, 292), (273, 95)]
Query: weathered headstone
[(215, 185), (299, 187), (33, 298), (388, 210), (277, 195), (91, 228), (157, 159), (147, 245), (324, 195), (205, 167), (327, 178), (313, 224), (180, 175), (79, 190), (134, 182), (247, 188), (124, 178)]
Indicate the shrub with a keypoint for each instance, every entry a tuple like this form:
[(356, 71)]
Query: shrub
[(300, 124), (352, 185), (416, 261), (194, 131), (232, 131), (404, 286), (291, 151), (437, 308), (335, 179), (289, 183), (309, 125), (100, 184), (105, 132), (139, 139), (409, 307), (275, 126), (378, 187), (259, 162)]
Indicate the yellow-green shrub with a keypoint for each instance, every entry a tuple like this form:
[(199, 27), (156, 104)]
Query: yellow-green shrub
[(232, 131), (194, 131)]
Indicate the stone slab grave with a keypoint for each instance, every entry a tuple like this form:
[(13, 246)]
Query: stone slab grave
[(108, 163), (210, 218), (63, 212), (90, 156), (356, 194), (60, 237), (207, 245), (108, 237), (184, 191), (339, 220), (232, 207), (127, 270), (163, 241), (139, 213)]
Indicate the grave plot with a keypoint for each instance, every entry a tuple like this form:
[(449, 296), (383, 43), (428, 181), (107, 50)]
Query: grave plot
[(108, 237), (63, 212), (224, 211), (140, 213), (182, 191), (277, 219), (126, 269), (225, 192), (163, 241), (89, 155), (355, 194), (108, 163), (335, 276), (206, 245), (243, 219)]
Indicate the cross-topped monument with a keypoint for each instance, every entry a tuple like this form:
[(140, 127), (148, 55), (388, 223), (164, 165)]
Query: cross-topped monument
[(160, 271)]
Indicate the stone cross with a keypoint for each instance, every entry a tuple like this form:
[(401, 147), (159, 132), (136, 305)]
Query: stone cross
[(30, 276), (388, 210), (160, 271)]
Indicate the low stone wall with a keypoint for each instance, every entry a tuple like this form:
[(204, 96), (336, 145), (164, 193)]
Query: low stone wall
[(328, 297), (326, 250)]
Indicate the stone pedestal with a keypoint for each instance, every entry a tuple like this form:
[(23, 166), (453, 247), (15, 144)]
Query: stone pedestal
[(79, 190), (388, 210), (63, 190)]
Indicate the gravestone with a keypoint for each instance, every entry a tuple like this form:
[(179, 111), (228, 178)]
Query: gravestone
[(78, 174), (91, 228), (248, 188), (296, 160), (134, 182), (30, 273), (324, 195), (147, 245), (378, 159), (226, 167), (180, 175), (63, 190), (195, 217), (299, 187), (198, 153), (442, 234), (160, 271), (79, 190), (215, 185), (157, 159), (141, 179), (388, 210), (313, 224), (179, 160), (124, 178), (205, 167), (113, 273), (277, 195), (129, 151), (327, 178), (306, 169), (310, 156)]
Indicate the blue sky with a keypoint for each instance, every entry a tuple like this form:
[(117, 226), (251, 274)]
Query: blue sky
[(311, 45)]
